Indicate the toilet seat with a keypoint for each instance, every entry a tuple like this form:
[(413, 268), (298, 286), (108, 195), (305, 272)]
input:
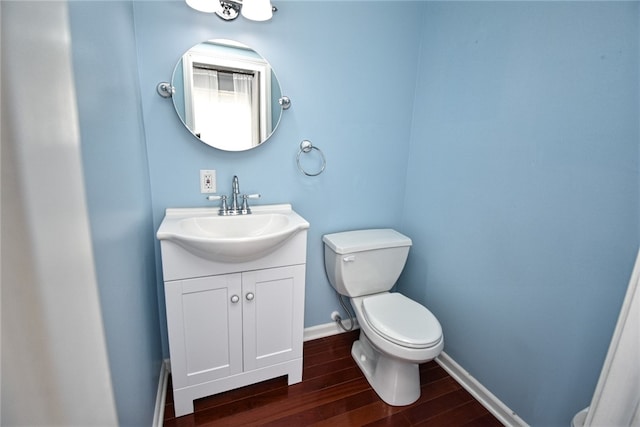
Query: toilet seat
[(401, 320)]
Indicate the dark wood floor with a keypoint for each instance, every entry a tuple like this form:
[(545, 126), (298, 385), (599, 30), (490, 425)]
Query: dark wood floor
[(335, 393)]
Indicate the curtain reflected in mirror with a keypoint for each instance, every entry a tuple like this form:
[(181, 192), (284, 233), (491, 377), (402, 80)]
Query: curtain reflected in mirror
[(224, 109), (226, 95)]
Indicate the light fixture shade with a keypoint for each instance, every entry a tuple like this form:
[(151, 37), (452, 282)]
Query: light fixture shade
[(257, 10), (207, 6)]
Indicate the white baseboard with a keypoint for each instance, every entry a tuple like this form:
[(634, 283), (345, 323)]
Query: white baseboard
[(161, 395), (494, 405), (325, 330)]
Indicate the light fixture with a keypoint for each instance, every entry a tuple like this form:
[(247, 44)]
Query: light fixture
[(255, 10)]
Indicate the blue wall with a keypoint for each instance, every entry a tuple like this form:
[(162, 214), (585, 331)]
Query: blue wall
[(351, 95), (515, 173), (523, 187), (118, 198)]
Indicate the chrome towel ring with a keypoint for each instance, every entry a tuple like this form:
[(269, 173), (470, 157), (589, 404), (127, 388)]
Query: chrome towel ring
[(306, 147)]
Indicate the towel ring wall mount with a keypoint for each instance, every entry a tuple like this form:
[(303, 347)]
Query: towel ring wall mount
[(306, 147)]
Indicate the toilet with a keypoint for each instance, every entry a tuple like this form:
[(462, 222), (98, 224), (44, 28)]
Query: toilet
[(396, 333)]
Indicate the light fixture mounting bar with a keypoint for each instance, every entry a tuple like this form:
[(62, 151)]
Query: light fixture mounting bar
[(229, 9)]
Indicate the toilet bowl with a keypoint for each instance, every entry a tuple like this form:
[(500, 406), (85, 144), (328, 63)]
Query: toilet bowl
[(396, 333), (389, 350)]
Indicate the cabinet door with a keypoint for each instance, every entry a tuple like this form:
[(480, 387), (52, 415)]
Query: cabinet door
[(204, 322), (273, 315)]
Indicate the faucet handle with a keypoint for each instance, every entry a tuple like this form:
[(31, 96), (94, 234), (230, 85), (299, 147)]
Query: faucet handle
[(223, 203), (245, 206)]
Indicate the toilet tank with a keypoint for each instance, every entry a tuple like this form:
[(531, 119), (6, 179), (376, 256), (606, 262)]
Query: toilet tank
[(364, 262)]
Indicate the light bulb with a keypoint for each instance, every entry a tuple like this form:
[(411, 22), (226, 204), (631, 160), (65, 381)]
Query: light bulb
[(207, 6), (257, 10)]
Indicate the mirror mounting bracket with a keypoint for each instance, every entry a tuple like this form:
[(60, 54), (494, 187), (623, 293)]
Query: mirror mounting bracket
[(285, 102), (165, 89)]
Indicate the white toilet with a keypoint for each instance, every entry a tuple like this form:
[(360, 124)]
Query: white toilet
[(396, 333)]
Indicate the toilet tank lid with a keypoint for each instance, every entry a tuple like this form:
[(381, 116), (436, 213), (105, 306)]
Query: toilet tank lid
[(365, 240)]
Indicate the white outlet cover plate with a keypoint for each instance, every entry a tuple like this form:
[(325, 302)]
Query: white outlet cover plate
[(207, 181)]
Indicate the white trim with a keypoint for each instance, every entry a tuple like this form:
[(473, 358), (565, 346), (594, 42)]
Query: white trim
[(325, 330), (616, 400), (487, 399), (161, 396)]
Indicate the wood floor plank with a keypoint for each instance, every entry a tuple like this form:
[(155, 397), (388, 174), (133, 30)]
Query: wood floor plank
[(435, 389), (328, 367), (486, 420), (432, 373), (458, 416), (318, 413), (299, 402), (335, 393), (375, 411), (395, 420), (231, 396), (423, 411), (328, 354)]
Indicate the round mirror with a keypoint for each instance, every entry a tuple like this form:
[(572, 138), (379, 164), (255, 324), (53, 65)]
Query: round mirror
[(227, 95)]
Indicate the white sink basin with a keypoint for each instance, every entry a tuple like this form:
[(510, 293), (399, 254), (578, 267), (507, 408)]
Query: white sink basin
[(240, 238)]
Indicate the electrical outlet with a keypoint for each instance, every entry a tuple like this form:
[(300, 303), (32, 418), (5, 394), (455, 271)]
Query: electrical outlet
[(207, 181)]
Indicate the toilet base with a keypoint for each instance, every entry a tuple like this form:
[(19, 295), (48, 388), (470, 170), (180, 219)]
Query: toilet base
[(397, 382)]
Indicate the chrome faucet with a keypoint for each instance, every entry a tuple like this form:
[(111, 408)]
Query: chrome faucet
[(234, 208), (235, 190)]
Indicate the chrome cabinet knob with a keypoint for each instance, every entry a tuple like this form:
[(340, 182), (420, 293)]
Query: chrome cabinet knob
[(235, 299), (250, 296)]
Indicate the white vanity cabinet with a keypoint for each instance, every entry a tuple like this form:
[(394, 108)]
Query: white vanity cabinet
[(233, 324)]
